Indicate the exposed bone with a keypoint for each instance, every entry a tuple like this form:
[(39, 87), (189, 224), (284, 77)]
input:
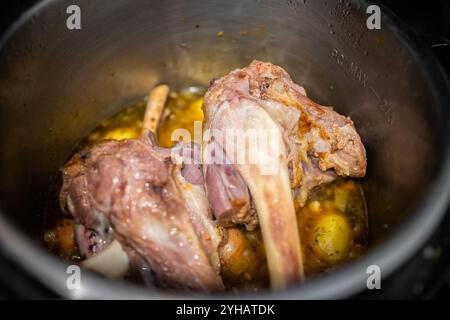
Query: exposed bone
[(155, 106)]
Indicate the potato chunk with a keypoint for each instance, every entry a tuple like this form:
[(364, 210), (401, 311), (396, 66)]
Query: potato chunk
[(333, 236)]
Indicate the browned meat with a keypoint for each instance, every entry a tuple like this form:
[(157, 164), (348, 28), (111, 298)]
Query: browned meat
[(313, 143), (92, 232), (322, 143), (150, 207), (316, 137)]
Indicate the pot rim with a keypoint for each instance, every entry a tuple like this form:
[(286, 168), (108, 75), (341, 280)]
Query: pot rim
[(344, 282)]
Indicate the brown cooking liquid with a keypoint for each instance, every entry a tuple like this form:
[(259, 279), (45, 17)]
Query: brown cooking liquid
[(332, 225)]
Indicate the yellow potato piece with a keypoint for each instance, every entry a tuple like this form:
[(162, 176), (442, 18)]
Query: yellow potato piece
[(333, 236)]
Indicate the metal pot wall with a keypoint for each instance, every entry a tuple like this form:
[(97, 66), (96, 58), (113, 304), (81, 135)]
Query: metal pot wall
[(56, 84)]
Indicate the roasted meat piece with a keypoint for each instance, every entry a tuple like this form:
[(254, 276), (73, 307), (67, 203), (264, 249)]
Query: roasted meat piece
[(152, 209), (309, 145)]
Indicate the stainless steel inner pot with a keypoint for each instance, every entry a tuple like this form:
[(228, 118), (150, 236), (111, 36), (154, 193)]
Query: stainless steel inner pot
[(56, 85)]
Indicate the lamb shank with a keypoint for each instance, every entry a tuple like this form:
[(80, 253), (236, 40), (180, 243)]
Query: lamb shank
[(313, 146)]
